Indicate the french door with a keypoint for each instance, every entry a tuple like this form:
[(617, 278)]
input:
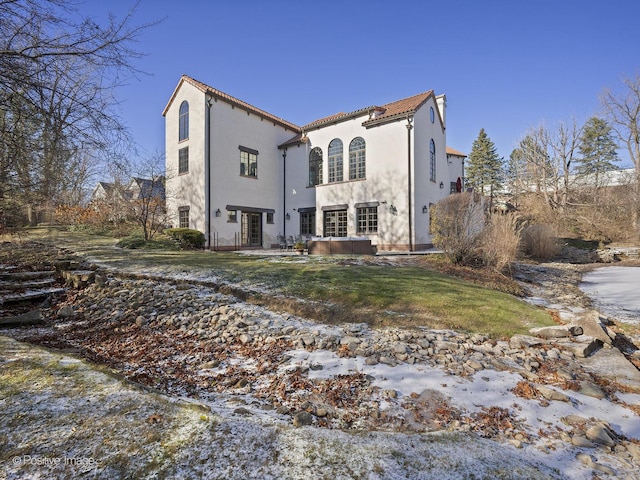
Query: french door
[(251, 230)]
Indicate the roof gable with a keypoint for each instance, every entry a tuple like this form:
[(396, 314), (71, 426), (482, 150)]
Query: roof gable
[(235, 102)]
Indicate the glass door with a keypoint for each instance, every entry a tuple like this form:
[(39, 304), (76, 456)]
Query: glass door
[(251, 229)]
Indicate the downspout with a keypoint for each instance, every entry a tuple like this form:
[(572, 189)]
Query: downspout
[(284, 192), (207, 172), (410, 203)]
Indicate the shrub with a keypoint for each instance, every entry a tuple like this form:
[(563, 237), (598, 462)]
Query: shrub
[(133, 243), (539, 242), (501, 241), (456, 225), (186, 237)]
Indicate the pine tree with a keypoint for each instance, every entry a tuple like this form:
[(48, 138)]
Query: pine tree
[(597, 149), (484, 170)]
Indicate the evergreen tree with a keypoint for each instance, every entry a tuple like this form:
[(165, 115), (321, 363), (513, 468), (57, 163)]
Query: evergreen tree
[(597, 149), (484, 170)]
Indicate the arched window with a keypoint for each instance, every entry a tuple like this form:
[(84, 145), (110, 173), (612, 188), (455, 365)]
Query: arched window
[(432, 161), (183, 121), (315, 167), (335, 161), (357, 159)]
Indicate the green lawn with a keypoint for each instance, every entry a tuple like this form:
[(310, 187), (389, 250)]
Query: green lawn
[(342, 289)]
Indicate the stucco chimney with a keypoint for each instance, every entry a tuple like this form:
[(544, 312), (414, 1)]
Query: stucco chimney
[(442, 107)]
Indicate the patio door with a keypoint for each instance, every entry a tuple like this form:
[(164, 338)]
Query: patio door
[(251, 229)]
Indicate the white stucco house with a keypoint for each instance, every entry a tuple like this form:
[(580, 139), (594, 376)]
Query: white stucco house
[(244, 176)]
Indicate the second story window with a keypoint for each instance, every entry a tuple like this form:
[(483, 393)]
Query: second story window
[(357, 159), (183, 121), (315, 167), (335, 160), (248, 162), (432, 161), (183, 160)]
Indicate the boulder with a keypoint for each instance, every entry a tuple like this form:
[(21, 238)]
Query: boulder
[(557, 331), (592, 327)]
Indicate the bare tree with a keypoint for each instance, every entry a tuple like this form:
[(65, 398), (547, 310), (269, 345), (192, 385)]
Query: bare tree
[(623, 112), (58, 71)]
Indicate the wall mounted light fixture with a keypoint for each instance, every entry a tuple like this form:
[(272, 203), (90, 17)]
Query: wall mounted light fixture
[(287, 216), (425, 209), (441, 184), (218, 213)]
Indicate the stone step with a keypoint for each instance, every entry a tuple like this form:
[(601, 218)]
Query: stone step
[(33, 317), (29, 295), (78, 278), (24, 276), (37, 283)]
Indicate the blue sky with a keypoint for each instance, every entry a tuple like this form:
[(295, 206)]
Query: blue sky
[(504, 65)]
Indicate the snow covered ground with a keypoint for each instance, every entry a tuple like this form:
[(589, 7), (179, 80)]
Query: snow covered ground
[(615, 291)]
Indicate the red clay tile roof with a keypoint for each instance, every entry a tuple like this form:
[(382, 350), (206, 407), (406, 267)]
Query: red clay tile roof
[(298, 139), (232, 100), (451, 151), (400, 108)]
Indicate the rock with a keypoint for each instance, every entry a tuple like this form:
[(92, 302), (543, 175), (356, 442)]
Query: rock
[(372, 360), (400, 348), (209, 365), (246, 338), (321, 412), (242, 411), (558, 331), (66, 311), (515, 443), (583, 346), (592, 327), (390, 393), (634, 451), (611, 363), (582, 441), (302, 418), (585, 458), (600, 434), (525, 341), (552, 394), (574, 420), (33, 317), (141, 321), (349, 340), (591, 390)]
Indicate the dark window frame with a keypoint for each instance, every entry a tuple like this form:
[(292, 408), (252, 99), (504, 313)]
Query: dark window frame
[(367, 220), (335, 162), (183, 160), (432, 160), (248, 162), (315, 167), (183, 217), (183, 121), (357, 159)]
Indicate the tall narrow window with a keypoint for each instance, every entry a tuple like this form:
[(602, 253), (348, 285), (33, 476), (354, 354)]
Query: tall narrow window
[(335, 161), (432, 161), (183, 217), (248, 162), (315, 167), (183, 160), (357, 159), (183, 121), (307, 223)]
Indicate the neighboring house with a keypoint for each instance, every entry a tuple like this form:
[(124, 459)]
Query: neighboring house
[(244, 176), (115, 195)]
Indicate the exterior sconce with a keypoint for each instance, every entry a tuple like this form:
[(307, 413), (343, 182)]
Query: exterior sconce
[(393, 209), (441, 185), (425, 209), (218, 213), (287, 216)]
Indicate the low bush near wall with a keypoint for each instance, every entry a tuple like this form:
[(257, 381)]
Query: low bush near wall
[(186, 237)]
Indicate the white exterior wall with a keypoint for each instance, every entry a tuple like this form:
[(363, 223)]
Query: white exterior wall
[(232, 127), (186, 190), (296, 188), (385, 182), (427, 191)]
